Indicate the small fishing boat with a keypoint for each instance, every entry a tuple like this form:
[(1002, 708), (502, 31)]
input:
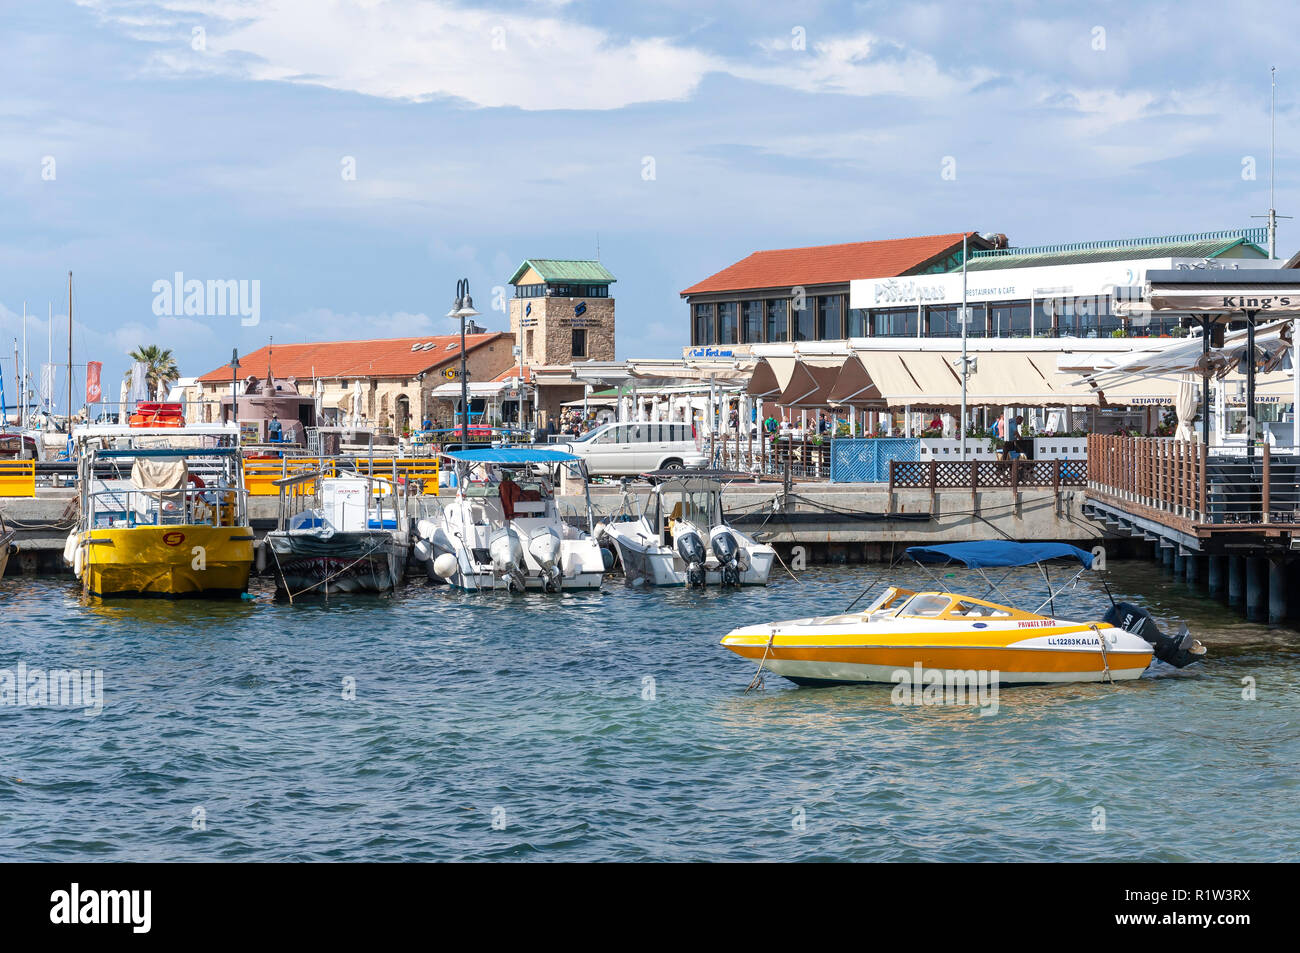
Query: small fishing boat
[(682, 537), (503, 529), (903, 632), (346, 533), (163, 513)]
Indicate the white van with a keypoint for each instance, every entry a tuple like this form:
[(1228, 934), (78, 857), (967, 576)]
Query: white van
[(628, 449)]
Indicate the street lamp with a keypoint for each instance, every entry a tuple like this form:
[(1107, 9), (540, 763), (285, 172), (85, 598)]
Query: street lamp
[(463, 307)]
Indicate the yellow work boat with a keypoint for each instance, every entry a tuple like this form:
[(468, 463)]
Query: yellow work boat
[(162, 516), (904, 634)]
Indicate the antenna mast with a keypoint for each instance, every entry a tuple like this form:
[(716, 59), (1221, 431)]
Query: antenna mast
[(1272, 215)]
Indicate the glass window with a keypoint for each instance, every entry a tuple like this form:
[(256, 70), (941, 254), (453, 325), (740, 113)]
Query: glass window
[(829, 326), (1043, 319), (579, 342), (702, 324), (805, 319), (976, 610), (857, 324), (895, 322), (751, 330), (776, 320), (727, 324), (944, 321), (1009, 319)]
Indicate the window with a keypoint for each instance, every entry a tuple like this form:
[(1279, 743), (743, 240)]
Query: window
[(857, 324), (1009, 319), (751, 325), (829, 327), (579, 342), (805, 319), (702, 324), (895, 322), (777, 328), (727, 323), (927, 605), (976, 610), (528, 344), (944, 321)]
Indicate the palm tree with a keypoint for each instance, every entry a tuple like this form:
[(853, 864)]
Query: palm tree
[(160, 368)]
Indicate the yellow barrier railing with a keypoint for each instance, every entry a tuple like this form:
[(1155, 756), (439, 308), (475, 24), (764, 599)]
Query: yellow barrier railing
[(260, 475), (17, 477)]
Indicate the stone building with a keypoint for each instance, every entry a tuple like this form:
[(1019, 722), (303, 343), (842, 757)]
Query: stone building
[(561, 314), (393, 377)]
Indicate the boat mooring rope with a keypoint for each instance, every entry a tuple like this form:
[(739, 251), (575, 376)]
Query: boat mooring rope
[(757, 680), (1104, 657), (785, 567)]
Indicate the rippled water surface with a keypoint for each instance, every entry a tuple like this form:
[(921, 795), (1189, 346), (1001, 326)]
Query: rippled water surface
[(530, 712)]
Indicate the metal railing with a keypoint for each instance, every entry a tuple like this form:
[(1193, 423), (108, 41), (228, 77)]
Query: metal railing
[(1179, 482), (17, 477), (117, 507), (261, 476)]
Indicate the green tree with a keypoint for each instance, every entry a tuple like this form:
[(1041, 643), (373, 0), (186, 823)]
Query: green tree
[(160, 368)]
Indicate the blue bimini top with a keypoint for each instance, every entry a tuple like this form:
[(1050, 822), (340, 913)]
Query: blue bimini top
[(991, 553)]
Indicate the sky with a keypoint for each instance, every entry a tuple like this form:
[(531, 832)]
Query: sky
[(354, 158)]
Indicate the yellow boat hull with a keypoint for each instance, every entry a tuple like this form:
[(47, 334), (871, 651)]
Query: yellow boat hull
[(176, 561)]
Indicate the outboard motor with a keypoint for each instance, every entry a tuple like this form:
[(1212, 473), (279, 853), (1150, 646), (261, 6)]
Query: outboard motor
[(544, 545), (507, 559), (723, 543), (691, 548), (1177, 650)]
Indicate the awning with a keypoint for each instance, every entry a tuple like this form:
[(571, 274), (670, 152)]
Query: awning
[(1138, 392), (1275, 388), (1001, 378), (811, 383), (1230, 293), (770, 377), (451, 391), (854, 386)]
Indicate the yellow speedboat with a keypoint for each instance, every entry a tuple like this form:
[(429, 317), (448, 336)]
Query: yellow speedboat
[(903, 634), (170, 519)]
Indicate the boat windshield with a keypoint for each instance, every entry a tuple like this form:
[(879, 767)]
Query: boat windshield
[(927, 604)]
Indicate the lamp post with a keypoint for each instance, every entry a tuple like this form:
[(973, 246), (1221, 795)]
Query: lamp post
[(463, 307), (234, 388)]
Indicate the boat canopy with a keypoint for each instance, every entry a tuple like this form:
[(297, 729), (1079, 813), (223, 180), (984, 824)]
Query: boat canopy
[(991, 553), (511, 455)]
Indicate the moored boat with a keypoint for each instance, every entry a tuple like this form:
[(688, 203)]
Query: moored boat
[(354, 539), (682, 537), (163, 513), (904, 632), (503, 529)]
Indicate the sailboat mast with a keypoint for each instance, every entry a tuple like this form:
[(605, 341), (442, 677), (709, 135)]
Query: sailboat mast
[(69, 355)]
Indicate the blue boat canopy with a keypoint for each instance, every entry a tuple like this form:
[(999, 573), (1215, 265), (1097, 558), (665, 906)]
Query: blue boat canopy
[(991, 553), (511, 455)]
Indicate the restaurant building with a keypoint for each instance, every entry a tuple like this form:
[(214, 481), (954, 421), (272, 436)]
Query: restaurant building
[(912, 287)]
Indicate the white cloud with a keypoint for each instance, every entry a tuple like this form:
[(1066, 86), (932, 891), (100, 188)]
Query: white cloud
[(419, 51)]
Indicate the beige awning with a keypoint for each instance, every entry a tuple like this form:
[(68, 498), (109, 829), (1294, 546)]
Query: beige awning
[(770, 377), (854, 386), (1001, 378), (1149, 392), (811, 383)]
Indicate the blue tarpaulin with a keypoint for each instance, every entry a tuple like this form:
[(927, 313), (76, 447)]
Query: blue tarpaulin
[(511, 455), (991, 553)]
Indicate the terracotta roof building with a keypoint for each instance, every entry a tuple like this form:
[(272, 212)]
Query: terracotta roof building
[(393, 376), (801, 294)]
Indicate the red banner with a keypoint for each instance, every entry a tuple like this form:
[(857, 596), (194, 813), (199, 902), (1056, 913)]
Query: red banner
[(92, 382)]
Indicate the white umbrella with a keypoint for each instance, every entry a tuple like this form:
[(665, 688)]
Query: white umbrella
[(356, 404), (122, 397), (1185, 406)]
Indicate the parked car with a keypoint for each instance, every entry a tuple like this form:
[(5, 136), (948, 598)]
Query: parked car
[(628, 449)]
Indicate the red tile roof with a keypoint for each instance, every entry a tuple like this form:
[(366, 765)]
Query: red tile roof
[(828, 264), (390, 357), (513, 371)]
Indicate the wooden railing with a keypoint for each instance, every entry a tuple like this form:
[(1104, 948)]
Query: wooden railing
[(1186, 484)]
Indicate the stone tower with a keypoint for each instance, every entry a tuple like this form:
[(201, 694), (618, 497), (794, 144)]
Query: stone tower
[(562, 311)]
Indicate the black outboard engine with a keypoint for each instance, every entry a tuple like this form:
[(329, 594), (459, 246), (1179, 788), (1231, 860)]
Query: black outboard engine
[(1177, 650), (724, 547), (691, 548)]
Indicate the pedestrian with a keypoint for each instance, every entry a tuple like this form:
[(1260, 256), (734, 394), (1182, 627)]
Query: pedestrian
[(274, 429)]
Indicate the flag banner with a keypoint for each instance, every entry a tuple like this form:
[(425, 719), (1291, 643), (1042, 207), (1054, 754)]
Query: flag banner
[(93, 395), (47, 387), (139, 381)]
